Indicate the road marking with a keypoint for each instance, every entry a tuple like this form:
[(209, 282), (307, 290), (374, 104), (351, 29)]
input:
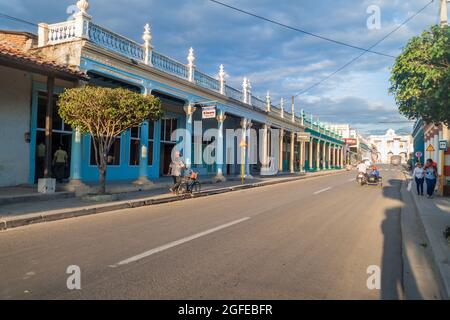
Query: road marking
[(176, 243), (323, 190), (351, 180)]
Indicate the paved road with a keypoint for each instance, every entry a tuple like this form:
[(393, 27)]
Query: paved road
[(311, 239)]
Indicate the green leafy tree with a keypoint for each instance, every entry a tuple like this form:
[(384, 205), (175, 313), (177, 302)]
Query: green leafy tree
[(105, 114), (420, 78)]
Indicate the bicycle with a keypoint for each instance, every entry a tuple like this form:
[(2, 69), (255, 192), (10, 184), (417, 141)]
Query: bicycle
[(189, 184)]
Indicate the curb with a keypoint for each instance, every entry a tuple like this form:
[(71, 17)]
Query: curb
[(445, 291), (10, 223), (36, 197)]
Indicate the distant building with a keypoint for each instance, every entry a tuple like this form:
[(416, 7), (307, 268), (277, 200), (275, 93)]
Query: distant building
[(391, 144)]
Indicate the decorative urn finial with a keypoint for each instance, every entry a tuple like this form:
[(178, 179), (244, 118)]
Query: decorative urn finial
[(147, 37), (191, 57), (83, 5)]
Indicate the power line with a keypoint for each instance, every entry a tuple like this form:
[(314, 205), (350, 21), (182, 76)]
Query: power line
[(363, 53), (301, 30), (18, 19)]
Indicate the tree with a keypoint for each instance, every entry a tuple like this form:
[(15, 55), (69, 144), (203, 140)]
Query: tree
[(420, 78), (105, 114)]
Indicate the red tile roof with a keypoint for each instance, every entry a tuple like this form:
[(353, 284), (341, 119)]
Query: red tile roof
[(27, 59)]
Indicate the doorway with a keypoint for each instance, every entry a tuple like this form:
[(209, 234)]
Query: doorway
[(166, 158), (61, 136)]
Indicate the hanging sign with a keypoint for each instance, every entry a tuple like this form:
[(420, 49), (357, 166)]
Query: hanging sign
[(209, 112), (303, 136)]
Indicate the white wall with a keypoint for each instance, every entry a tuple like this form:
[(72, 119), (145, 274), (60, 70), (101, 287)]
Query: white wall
[(15, 110)]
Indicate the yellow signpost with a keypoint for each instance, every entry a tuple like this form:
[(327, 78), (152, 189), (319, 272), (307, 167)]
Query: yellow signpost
[(243, 145)]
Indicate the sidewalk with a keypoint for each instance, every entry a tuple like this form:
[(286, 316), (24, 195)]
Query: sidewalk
[(29, 212), (434, 214)]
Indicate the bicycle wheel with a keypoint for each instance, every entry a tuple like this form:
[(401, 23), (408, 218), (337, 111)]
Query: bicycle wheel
[(196, 187), (182, 189)]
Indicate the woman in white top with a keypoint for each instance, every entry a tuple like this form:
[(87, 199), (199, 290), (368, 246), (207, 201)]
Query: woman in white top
[(419, 176)]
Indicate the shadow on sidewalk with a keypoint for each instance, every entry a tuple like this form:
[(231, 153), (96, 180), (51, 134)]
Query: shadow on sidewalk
[(394, 262)]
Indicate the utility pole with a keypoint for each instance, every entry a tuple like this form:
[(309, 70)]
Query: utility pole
[(443, 13)]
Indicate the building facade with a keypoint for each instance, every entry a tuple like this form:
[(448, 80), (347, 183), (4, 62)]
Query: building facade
[(434, 136), (391, 144), (144, 153), (20, 74)]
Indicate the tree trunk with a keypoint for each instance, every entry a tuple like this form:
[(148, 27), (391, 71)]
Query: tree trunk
[(102, 180)]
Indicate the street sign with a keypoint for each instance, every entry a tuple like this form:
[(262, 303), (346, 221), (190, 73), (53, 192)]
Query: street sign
[(419, 154), (351, 141), (443, 145), (430, 148), (209, 112), (303, 136)]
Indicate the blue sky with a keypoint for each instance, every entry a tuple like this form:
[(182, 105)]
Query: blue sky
[(276, 59)]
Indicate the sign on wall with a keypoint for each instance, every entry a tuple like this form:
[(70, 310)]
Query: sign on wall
[(351, 141), (209, 112), (303, 136), (443, 145), (430, 148)]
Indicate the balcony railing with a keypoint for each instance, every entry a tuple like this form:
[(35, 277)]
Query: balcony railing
[(169, 65), (206, 81), (117, 43), (61, 32)]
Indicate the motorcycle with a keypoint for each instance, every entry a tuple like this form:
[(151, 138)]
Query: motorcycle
[(361, 178)]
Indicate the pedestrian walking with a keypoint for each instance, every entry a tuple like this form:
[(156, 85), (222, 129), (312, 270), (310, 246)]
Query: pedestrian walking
[(60, 161), (176, 171), (431, 175), (40, 160), (419, 176)]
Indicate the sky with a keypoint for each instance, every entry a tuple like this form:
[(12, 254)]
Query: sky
[(275, 59)]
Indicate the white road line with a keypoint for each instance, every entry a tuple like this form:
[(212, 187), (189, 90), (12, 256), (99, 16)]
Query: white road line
[(176, 243), (323, 190)]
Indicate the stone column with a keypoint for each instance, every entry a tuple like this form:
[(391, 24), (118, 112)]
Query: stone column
[(280, 154), (143, 147), (342, 157), (292, 157), (189, 109), (310, 155), (75, 158), (219, 148), (324, 155), (301, 156), (243, 146), (265, 148), (335, 157), (318, 155), (329, 156), (247, 154)]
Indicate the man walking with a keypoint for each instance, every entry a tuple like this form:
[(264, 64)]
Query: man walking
[(176, 171), (60, 163)]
